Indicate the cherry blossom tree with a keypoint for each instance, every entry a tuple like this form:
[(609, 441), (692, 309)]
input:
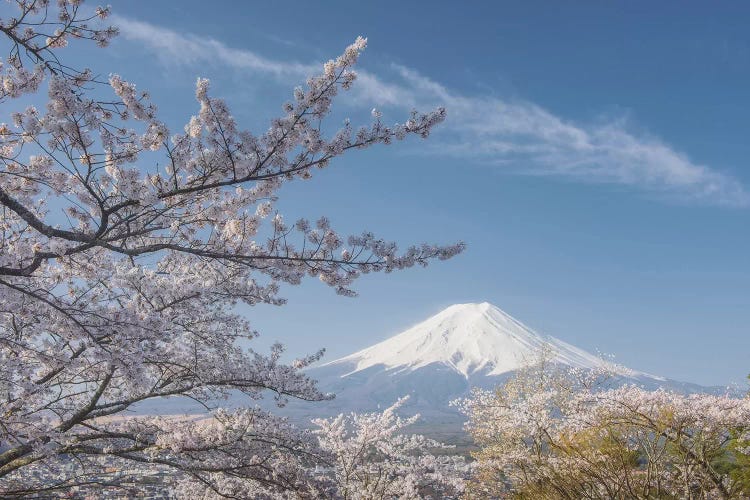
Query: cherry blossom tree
[(371, 457), (125, 249), (548, 434)]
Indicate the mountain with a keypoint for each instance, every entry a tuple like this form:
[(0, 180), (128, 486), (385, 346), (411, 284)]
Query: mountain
[(435, 362), (441, 358), (468, 339)]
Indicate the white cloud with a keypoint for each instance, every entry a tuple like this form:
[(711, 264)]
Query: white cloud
[(518, 135), (187, 48)]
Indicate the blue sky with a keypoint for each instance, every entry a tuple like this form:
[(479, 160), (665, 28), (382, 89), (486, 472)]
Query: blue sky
[(594, 160)]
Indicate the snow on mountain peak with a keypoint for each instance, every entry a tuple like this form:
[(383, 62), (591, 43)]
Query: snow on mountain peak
[(468, 338)]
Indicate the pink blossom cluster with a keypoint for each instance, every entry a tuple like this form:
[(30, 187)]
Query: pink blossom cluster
[(120, 275), (371, 456)]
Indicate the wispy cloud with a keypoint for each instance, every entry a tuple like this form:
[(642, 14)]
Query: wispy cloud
[(518, 135), (189, 49)]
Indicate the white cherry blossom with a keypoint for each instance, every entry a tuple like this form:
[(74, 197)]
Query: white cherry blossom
[(126, 290)]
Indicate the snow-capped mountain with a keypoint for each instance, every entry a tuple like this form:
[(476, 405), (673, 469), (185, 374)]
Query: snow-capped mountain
[(435, 362), (441, 358), (469, 339)]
